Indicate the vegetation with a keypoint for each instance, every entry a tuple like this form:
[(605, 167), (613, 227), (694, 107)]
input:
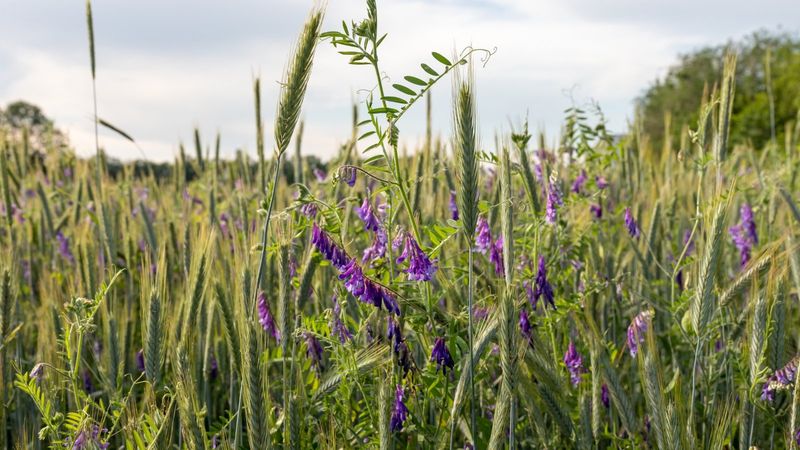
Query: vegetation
[(598, 294)]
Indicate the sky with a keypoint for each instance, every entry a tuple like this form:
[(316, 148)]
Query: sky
[(166, 67)]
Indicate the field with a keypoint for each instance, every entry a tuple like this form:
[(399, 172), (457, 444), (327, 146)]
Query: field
[(597, 292)]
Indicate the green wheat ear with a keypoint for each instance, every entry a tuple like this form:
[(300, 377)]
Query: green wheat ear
[(295, 80), (465, 146)]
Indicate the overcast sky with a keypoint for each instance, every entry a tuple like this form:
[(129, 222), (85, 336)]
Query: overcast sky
[(166, 66)]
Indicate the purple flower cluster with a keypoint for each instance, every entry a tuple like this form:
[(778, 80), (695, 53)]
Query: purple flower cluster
[(420, 267), (597, 211), (63, 248), (636, 330), (483, 238), (554, 200), (600, 182), (541, 287), (265, 317), (87, 440), (313, 350), (453, 206), (525, 324), (604, 396), (338, 328), (320, 174), (496, 257), (140, 360), (630, 224), (781, 379), (348, 175), (378, 248), (574, 363), (309, 210), (441, 356), (365, 289), (400, 411), (367, 214), (744, 234), (580, 180)]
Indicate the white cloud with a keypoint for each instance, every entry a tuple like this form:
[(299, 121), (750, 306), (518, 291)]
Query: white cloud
[(164, 69)]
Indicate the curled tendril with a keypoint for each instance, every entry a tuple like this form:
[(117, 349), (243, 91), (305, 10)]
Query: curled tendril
[(469, 50), (343, 169)]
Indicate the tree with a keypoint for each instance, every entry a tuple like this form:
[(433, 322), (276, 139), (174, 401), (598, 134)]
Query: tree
[(681, 91)]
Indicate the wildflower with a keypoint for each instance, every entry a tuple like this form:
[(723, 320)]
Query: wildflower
[(688, 242), (37, 371), (366, 214), (542, 287), (63, 247), (320, 174), (554, 200), (524, 324), (81, 441), (574, 363), (313, 350), (420, 267), (580, 180), (265, 317), (597, 211), (361, 287), (604, 396), (483, 238), (496, 257), (140, 360), (600, 182), (348, 175), (394, 334), (441, 355), (404, 358), (636, 330), (87, 382), (453, 206), (378, 247), (213, 367), (309, 210), (630, 224), (479, 312), (338, 328), (744, 234), (400, 411), (328, 248), (781, 379)]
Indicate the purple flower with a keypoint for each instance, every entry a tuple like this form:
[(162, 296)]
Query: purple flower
[(309, 210), (524, 324), (453, 206), (81, 441), (580, 180), (37, 372), (140, 360), (313, 350), (483, 238), (542, 287), (378, 247), (554, 200), (63, 247), (574, 363), (328, 248), (636, 330), (87, 382), (781, 379), (441, 355), (744, 234), (265, 317), (420, 267), (394, 333), (355, 282), (688, 242), (597, 211), (479, 313), (600, 182), (213, 367), (630, 224), (400, 411), (338, 328), (496, 257), (604, 396), (367, 214), (348, 175), (320, 174)]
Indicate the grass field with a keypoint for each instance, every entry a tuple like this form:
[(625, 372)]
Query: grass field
[(476, 292)]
